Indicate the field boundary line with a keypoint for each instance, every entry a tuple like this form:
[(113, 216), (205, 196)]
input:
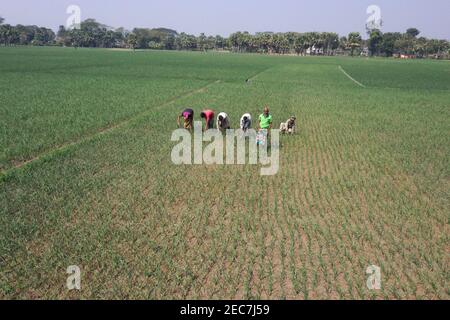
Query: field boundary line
[(351, 78), (100, 132), (256, 75)]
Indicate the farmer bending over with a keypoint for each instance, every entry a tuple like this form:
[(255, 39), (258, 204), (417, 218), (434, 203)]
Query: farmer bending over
[(208, 115), (188, 116), (246, 122), (223, 123)]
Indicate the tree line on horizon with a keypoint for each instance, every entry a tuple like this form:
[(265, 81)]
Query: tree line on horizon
[(93, 34)]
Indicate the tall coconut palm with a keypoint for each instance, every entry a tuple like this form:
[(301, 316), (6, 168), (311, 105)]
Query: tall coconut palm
[(354, 41), (299, 44), (132, 41), (375, 41)]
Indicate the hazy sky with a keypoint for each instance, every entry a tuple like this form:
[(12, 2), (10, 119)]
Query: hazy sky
[(226, 16)]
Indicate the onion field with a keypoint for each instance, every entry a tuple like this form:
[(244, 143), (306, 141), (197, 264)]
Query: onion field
[(86, 177)]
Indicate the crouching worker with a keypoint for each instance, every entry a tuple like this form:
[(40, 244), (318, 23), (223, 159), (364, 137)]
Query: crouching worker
[(289, 126), (223, 122), (246, 122), (188, 118), (208, 115)]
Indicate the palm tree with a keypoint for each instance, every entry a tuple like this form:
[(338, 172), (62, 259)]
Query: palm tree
[(235, 41), (282, 43), (412, 32), (9, 34), (132, 41), (291, 36), (308, 42), (271, 43), (321, 42), (219, 42), (343, 45), (354, 41), (313, 42), (202, 42), (299, 44), (375, 41), (2, 34), (331, 42), (246, 41), (266, 40)]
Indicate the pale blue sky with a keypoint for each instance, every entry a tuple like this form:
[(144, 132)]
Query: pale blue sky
[(226, 16)]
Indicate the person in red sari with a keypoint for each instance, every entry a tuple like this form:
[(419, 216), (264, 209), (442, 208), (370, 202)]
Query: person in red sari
[(208, 115)]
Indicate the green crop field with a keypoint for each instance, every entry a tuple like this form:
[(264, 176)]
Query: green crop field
[(87, 179)]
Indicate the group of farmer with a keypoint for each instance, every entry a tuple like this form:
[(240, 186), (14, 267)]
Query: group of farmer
[(222, 122)]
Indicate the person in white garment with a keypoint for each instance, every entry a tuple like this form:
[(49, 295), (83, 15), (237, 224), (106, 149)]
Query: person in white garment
[(246, 122), (223, 122)]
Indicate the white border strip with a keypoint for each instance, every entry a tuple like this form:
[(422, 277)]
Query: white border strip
[(350, 77)]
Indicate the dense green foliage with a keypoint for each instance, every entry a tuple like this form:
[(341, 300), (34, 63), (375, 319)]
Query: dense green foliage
[(392, 43), (25, 35), (93, 34)]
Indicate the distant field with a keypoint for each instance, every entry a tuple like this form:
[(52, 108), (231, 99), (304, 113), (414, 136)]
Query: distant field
[(86, 177)]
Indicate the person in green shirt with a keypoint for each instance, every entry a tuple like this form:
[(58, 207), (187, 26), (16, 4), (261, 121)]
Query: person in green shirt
[(265, 120), (264, 127)]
